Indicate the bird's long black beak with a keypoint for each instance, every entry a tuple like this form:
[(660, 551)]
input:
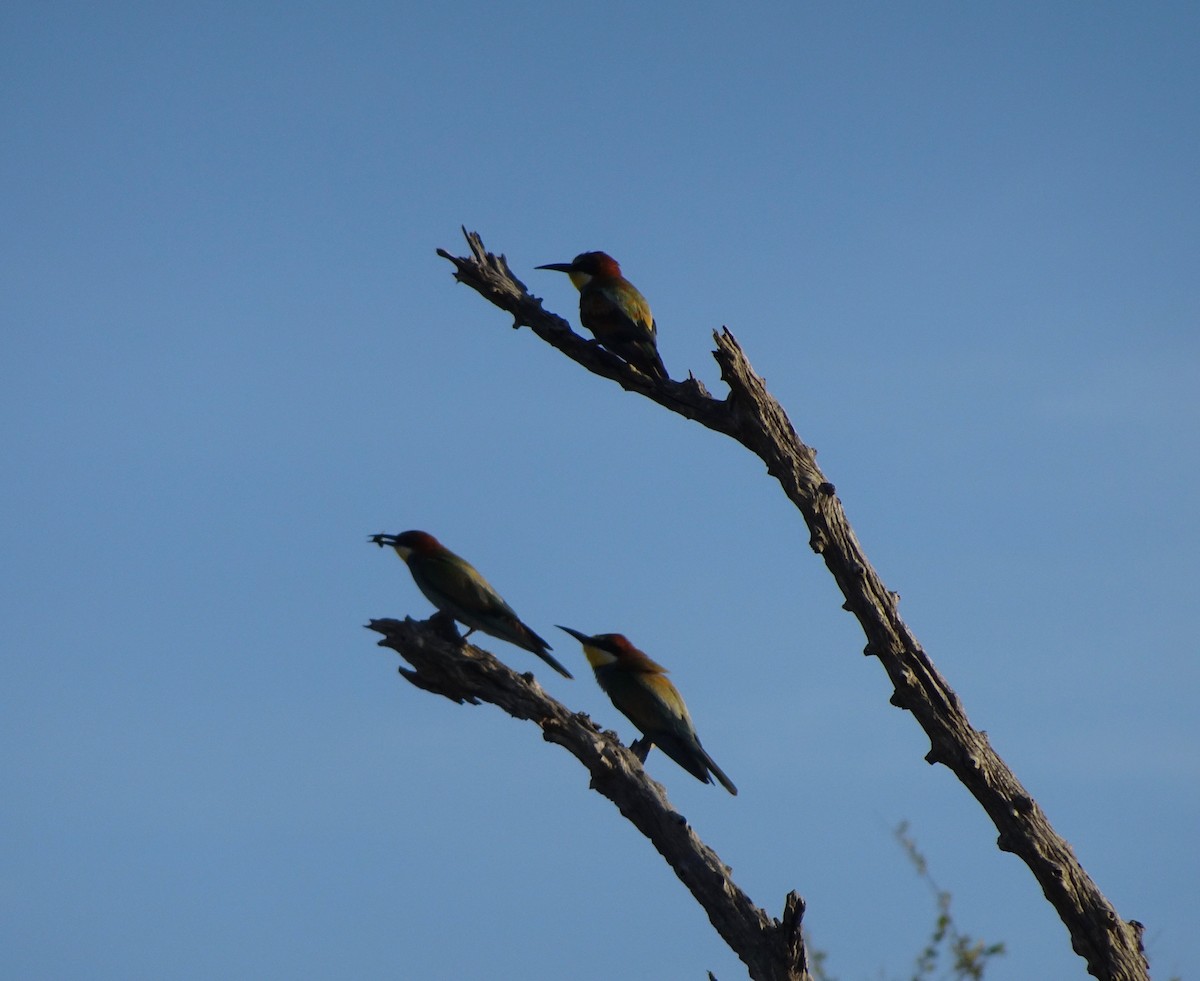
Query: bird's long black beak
[(381, 540), (558, 267), (582, 638)]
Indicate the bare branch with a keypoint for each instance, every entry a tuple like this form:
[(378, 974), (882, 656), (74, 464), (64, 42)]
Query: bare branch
[(1111, 946), (772, 950)]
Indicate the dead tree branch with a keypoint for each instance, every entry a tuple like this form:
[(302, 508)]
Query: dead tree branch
[(772, 950), (1110, 945)]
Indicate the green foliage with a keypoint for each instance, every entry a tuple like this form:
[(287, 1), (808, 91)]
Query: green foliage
[(968, 957), (964, 957)]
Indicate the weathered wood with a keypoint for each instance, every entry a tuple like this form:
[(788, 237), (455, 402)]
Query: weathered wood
[(1111, 946), (771, 949)]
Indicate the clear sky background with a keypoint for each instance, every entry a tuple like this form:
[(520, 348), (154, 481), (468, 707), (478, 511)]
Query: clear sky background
[(961, 242)]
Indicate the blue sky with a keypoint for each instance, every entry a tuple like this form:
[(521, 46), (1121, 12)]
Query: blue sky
[(960, 242)]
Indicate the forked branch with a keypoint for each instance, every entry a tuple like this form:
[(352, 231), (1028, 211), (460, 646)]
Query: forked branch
[(773, 950), (1110, 946)]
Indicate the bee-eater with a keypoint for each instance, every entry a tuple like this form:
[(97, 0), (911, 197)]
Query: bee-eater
[(456, 588), (641, 691), (611, 307)]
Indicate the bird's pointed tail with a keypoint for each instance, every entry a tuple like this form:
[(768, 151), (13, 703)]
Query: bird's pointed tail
[(719, 774)]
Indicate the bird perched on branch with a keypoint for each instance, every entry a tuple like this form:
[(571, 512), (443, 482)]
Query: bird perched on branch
[(611, 307), (641, 690), (457, 589)]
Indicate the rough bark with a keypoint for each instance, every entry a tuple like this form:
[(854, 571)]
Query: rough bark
[(773, 950), (1110, 946)]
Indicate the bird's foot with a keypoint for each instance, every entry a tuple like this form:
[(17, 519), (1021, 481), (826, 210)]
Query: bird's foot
[(444, 624), (641, 747)]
